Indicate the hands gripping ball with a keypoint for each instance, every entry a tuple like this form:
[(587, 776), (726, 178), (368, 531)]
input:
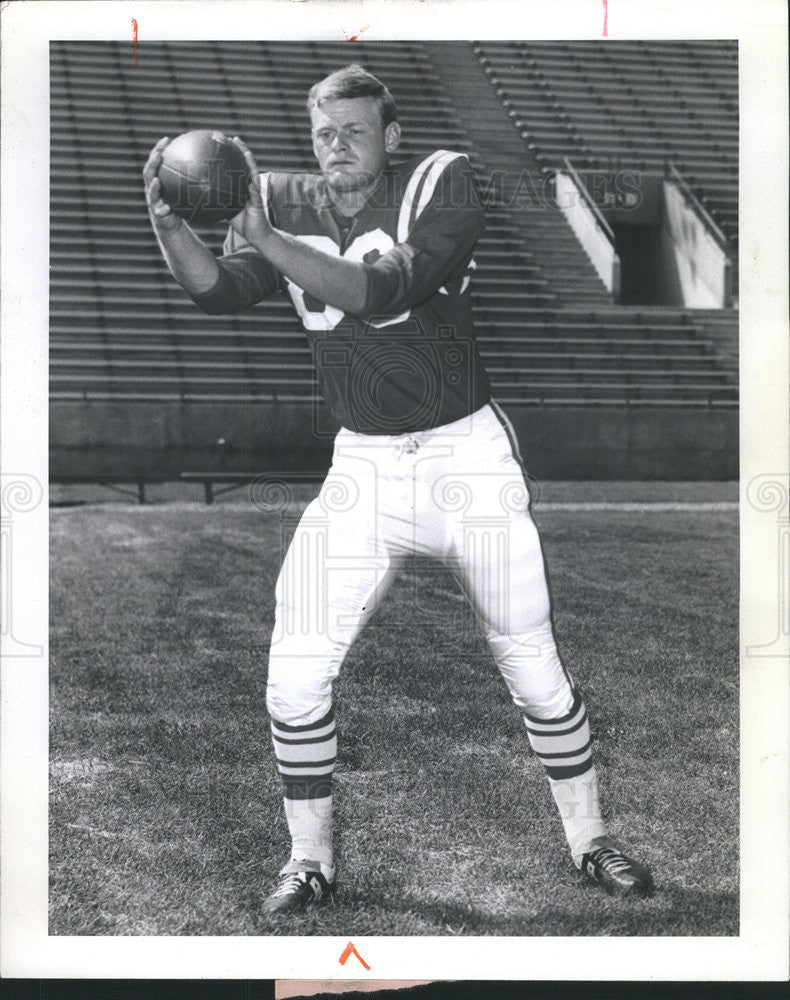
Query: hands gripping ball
[(204, 177)]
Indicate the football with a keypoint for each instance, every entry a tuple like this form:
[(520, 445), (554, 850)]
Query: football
[(204, 177)]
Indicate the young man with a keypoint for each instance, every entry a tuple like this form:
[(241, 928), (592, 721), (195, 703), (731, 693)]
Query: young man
[(377, 260)]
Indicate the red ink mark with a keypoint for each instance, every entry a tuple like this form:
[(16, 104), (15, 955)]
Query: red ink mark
[(134, 39), (605, 18), (350, 950), (353, 38)]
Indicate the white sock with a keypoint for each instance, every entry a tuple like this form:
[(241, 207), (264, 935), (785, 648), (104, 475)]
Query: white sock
[(580, 810), (310, 823)]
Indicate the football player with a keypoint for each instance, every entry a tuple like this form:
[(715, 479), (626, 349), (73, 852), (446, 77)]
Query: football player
[(376, 257)]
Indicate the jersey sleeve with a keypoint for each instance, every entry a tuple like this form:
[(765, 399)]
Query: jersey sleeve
[(437, 247), (245, 278)]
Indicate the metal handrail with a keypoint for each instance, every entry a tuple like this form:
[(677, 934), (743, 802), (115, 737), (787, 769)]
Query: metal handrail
[(696, 204), (599, 218)]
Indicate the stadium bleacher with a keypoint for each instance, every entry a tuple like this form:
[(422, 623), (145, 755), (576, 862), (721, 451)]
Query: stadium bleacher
[(633, 103)]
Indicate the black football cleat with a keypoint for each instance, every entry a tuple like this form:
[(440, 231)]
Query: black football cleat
[(616, 873), (301, 884)]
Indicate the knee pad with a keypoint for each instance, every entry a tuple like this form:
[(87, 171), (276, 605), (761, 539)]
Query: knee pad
[(531, 667), (298, 691)]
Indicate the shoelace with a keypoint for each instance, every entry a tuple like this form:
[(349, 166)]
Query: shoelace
[(290, 883), (611, 860)]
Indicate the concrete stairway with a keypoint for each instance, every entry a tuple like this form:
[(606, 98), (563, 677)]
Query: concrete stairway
[(513, 180)]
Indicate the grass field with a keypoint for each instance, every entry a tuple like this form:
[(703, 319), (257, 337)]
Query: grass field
[(165, 810)]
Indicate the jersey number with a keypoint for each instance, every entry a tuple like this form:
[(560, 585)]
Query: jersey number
[(317, 315)]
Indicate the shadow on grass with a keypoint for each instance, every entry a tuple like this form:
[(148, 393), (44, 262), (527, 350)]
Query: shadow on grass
[(588, 912), (672, 911)]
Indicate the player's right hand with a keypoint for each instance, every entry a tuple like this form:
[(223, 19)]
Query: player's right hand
[(162, 214)]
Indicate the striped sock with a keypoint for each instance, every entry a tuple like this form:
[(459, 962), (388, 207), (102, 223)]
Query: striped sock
[(563, 746), (306, 759)]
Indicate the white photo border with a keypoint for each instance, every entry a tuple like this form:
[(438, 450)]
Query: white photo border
[(760, 952)]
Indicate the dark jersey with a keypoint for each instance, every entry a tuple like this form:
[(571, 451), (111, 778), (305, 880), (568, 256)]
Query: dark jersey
[(408, 360)]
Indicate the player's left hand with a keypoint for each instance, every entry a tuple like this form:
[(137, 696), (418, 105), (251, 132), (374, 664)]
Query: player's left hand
[(252, 222)]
